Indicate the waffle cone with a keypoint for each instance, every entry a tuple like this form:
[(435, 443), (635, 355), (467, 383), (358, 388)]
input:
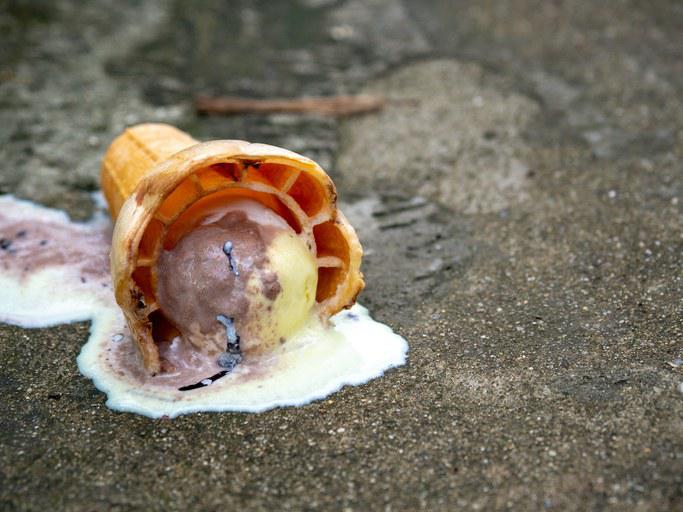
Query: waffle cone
[(158, 180)]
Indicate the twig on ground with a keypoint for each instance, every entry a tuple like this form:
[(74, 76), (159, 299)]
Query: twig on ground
[(337, 106)]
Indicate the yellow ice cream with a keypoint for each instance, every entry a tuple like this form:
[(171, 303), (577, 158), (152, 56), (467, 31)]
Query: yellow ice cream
[(297, 274)]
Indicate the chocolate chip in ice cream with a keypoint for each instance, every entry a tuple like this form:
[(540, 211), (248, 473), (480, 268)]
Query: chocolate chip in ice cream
[(271, 286)]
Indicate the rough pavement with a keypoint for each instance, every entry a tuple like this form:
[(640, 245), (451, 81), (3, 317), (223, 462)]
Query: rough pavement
[(521, 205)]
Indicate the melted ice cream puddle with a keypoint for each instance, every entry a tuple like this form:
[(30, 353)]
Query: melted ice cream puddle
[(55, 271)]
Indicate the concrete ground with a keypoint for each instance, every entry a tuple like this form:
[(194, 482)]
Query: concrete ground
[(521, 205)]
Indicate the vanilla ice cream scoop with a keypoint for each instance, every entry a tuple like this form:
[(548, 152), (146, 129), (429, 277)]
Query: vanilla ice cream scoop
[(227, 246)]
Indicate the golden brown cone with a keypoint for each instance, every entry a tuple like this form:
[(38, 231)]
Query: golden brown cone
[(133, 154), (157, 179)]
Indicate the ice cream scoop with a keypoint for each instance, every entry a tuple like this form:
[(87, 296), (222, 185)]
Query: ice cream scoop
[(230, 246), (242, 274)]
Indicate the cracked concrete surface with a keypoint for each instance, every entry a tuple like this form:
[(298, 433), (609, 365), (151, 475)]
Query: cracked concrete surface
[(520, 203)]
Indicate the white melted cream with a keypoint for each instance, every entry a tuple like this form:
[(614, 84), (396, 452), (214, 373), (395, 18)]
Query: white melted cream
[(55, 271)]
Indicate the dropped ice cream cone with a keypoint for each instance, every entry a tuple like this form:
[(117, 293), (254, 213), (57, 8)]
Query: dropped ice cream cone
[(160, 184)]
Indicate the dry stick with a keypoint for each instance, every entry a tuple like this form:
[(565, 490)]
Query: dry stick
[(329, 106)]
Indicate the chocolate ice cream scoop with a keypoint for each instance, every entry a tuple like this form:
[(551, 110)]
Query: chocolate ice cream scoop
[(199, 283)]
